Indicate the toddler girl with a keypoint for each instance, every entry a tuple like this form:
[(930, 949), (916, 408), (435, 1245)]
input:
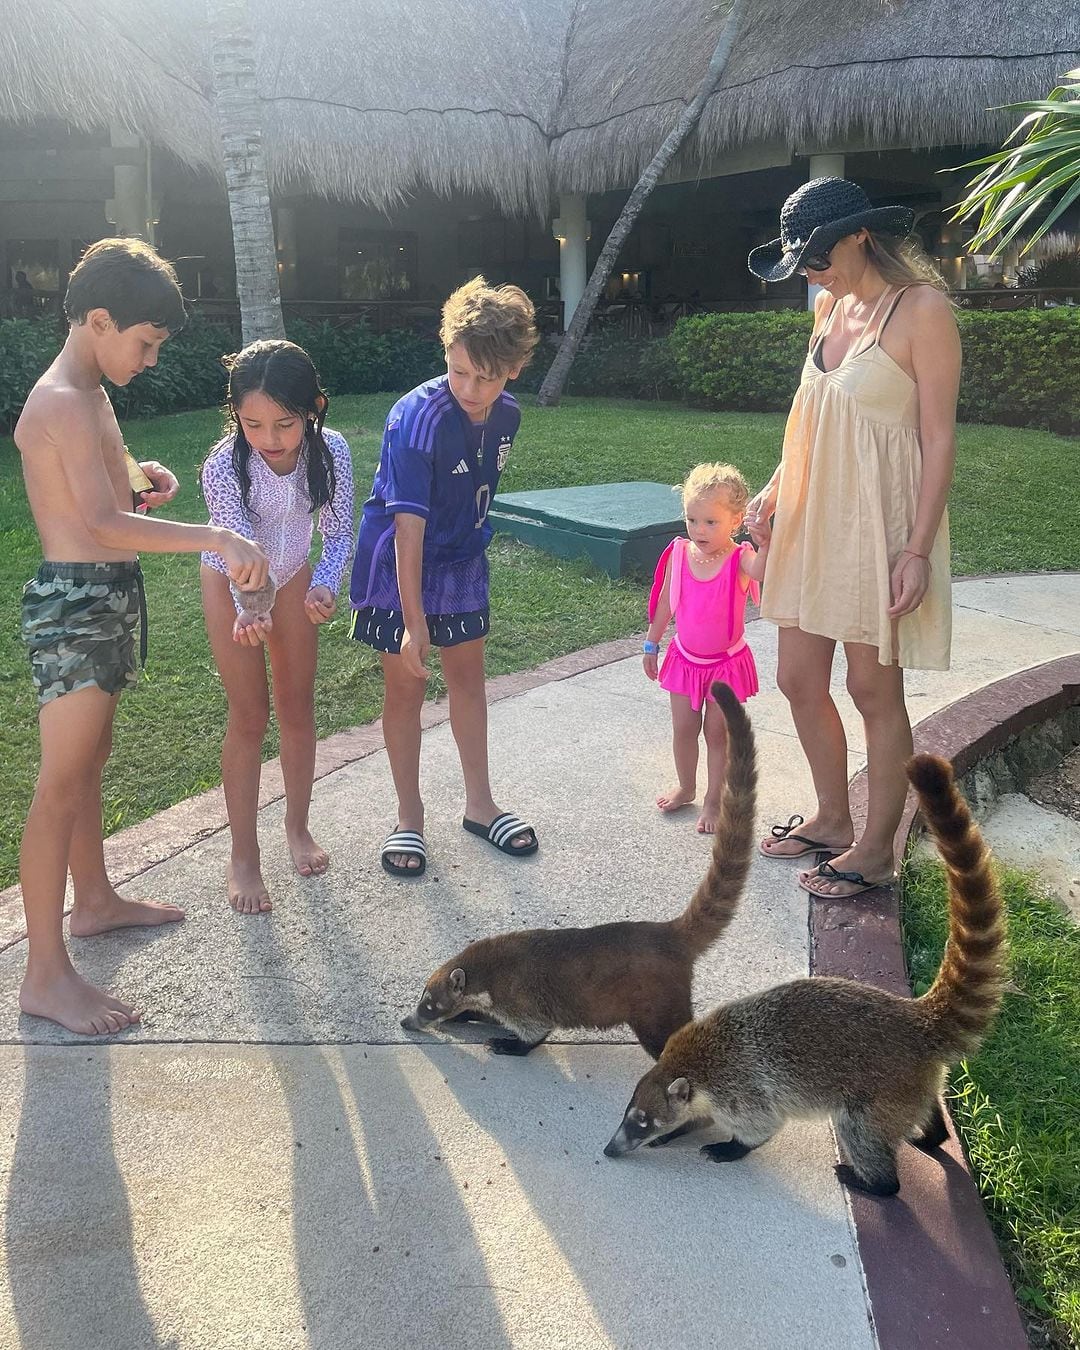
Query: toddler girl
[(703, 583), (276, 468)]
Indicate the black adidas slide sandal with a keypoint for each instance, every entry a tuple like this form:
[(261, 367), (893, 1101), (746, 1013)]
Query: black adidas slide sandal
[(501, 831), (410, 843)]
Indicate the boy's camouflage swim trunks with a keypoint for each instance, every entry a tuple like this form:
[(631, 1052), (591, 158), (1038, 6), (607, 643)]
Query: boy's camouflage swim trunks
[(79, 622)]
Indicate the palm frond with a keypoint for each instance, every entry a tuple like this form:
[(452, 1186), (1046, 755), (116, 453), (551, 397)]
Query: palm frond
[(1018, 183)]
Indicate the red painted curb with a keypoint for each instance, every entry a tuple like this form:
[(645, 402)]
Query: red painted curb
[(933, 1271)]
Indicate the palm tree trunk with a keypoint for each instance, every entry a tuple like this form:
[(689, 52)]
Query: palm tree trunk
[(236, 103), (555, 380)]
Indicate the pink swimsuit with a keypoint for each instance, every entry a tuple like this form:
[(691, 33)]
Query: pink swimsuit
[(708, 642), (279, 513)]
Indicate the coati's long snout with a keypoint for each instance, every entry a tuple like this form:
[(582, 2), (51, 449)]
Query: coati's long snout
[(442, 999)]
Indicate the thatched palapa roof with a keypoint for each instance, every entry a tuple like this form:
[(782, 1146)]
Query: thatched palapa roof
[(811, 74), (369, 99)]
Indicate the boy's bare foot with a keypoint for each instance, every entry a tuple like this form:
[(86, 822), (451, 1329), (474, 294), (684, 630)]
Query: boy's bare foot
[(102, 915), (309, 858), (674, 800), (709, 818), (247, 891), (66, 998), (830, 834)]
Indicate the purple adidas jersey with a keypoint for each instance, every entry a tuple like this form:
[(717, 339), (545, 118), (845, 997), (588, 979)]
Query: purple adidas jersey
[(437, 464)]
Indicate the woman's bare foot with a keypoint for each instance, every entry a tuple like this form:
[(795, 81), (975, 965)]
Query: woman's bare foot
[(876, 869), (247, 891), (832, 835), (676, 799), (64, 997), (309, 858), (109, 911), (710, 816)]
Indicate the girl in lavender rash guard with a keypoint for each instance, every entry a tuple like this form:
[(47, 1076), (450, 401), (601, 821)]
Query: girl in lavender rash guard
[(268, 479)]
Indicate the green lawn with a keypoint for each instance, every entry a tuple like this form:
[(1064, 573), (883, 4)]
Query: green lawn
[(168, 735), (1017, 1104)]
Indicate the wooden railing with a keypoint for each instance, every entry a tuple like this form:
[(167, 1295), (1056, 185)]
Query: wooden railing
[(1018, 297)]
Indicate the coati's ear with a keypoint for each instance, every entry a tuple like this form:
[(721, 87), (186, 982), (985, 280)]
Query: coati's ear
[(457, 981), (679, 1091)]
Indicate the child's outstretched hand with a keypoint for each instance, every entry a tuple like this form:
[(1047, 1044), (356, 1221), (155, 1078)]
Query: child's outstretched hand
[(649, 664), (320, 604), (251, 629)]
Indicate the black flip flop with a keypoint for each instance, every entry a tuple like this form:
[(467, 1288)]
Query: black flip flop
[(500, 832), (410, 843), (830, 873), (788, 832)]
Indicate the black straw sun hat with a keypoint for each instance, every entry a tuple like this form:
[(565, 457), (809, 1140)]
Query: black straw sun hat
[(815, 217)]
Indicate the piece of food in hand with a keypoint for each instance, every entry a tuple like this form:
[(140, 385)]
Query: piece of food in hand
[(138, 480), (259, 601)]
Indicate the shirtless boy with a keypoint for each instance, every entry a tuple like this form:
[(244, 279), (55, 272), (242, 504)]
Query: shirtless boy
[(81, 612)]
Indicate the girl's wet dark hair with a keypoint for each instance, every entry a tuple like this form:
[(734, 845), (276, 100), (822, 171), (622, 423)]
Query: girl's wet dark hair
[(284, 372)]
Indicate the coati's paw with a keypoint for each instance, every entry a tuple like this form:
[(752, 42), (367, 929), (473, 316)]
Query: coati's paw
[(934, 1135), (508, 1045), (847, 1176), (729, 1150)]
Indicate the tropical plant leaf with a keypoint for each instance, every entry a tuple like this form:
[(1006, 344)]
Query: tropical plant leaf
[(1015, 187)]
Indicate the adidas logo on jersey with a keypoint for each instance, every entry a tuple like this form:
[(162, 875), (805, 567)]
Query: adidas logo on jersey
[(462, 467)]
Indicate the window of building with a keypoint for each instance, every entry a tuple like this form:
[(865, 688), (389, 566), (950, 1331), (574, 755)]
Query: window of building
[(38, 260), (376, 265)]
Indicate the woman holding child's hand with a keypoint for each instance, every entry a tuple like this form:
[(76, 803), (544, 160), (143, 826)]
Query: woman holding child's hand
[(859, 550)]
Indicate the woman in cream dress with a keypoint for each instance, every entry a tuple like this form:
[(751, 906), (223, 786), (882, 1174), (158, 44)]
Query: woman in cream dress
[(859, 536)]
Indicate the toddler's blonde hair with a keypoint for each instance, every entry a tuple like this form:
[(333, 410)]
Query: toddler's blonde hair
[(710, 480)]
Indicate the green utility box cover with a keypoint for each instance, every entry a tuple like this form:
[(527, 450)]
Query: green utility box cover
[(622, 527)]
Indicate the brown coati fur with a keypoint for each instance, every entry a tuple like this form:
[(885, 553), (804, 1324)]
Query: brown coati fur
[(872, 1061), (639, 973)]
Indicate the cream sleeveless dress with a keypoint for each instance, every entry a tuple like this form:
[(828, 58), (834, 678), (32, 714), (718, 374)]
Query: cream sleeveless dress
[(849, 486)]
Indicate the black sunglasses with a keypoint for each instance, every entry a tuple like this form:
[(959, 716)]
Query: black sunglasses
[(815, 262)]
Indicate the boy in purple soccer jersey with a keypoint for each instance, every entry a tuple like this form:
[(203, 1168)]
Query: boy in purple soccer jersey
[(420, 575)]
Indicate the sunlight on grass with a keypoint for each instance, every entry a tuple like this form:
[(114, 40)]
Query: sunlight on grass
[(1017, 1103)]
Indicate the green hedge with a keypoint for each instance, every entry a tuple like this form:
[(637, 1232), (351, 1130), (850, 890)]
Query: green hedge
[(26, 348), (1021, 368), (189, 373), (609, 365), (746, 361)]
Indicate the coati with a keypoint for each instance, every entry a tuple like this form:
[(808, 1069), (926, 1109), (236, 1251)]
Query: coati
[(872, 1061), (639, 973)]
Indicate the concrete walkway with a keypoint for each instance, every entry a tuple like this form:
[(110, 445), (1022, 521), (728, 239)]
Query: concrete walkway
[(269, 1162)]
